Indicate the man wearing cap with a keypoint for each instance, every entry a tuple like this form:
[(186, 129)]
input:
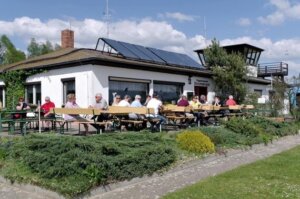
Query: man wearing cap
[(137, 101)]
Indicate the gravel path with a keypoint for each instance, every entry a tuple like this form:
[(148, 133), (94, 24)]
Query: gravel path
[(159, 185)]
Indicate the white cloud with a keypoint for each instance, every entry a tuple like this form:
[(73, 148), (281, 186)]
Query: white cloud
[(179, 16), (244, 22), (284, 10), (157, 34)]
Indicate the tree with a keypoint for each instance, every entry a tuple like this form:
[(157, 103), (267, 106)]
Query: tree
[(229, 71), (36, 49), (9, 54), (277, 96)]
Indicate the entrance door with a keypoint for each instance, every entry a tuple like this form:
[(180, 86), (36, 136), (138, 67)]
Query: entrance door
[(200, 90)]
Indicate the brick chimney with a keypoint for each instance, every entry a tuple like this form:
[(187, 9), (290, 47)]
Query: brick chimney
[(67, 38)]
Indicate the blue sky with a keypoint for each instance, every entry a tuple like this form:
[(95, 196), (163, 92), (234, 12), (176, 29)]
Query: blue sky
[(176, 25)]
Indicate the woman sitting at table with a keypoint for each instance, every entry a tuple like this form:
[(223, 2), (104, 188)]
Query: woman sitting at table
[(194, 103), (71, 103), (217, 101), (21, 106)]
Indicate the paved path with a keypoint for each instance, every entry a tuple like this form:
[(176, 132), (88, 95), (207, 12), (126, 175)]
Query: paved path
[(159, 185)]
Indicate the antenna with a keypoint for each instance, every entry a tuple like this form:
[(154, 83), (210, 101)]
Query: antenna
[(204, 26), (107, 19)]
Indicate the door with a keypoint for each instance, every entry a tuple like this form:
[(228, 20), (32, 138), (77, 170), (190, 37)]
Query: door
[(200, 90)]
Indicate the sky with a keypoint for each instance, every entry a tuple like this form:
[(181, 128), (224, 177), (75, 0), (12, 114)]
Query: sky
[(175, 25)]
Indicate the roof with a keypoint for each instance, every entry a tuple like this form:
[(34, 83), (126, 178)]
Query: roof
[(234, 46), (71, 57)]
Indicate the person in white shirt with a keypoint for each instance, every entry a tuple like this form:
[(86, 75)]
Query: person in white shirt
[(156, 104), (125, 101)]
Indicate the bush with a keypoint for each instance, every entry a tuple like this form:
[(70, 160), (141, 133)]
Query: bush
[(249, 129), (195, 141), (94, 160), (223, 137), (274, 128)]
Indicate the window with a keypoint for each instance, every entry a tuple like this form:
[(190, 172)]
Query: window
[(33, 93), (68, 88), (168, 91), (132, 87), (258, 92)]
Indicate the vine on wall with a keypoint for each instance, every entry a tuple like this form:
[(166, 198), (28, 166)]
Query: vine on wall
[(14, 81)]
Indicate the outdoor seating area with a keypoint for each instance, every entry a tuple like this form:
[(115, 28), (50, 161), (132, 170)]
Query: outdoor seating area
[(117, 118)]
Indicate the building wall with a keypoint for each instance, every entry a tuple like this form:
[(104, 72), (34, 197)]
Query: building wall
[(52, 86), (92, 79), (264, 88)]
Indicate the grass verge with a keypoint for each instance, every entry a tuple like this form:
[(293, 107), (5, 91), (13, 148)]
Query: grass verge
[(274, 177)]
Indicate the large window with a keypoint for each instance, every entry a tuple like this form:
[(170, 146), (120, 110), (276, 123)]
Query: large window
[(33, 93), (68, 88), (168, 91), (126, 86), (258, 92)]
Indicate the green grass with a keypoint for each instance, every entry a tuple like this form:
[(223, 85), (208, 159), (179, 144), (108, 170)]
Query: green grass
[(274, 177)]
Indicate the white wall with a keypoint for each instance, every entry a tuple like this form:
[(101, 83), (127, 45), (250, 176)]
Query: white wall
[(92, 79), (51, 83), (264, 88)]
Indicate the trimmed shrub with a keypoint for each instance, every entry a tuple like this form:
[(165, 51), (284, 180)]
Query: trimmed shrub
[(223, 137), (95, 160), (195, 141)]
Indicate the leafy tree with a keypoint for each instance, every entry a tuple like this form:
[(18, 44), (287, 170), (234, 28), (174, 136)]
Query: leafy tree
[(229, 71), (9, 54), (35, 49), (277, 96)]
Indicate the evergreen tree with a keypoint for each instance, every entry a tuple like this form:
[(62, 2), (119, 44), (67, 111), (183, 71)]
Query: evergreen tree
[(8, 53), (36, 49), (229, 71)]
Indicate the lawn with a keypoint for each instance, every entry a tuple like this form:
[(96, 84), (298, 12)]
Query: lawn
[(274, 177)]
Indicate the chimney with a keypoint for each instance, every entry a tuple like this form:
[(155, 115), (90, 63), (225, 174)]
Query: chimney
[(67, 38)]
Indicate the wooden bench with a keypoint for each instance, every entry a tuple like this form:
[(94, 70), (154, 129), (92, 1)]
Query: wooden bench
[(122, 115), (178, 115), (78, 111)]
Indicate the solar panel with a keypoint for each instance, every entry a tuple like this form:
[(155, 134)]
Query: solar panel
[(138, 52), (144, 55), (175, 58), (149, 54), (117, 46)]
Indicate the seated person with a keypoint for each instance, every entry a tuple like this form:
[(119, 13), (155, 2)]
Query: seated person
[(20, 107), (117, 100), (217, 101), (194, 103), (125, 102), (203, 99), (71, 103), (230, 101), (101, 104), (183, 101), (45, 108), (156, 104), (136, 103)]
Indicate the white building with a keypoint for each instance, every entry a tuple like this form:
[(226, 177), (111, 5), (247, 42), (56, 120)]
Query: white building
[(86, 72)]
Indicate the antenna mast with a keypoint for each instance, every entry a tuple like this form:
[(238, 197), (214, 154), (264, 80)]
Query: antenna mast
[(107, 19)]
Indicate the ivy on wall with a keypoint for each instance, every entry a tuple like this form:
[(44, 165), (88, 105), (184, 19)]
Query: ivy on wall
[(14, 81)]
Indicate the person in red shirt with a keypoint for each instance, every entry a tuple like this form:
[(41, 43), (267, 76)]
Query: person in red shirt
[(183, 101), (230, 101), (45, 108)]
